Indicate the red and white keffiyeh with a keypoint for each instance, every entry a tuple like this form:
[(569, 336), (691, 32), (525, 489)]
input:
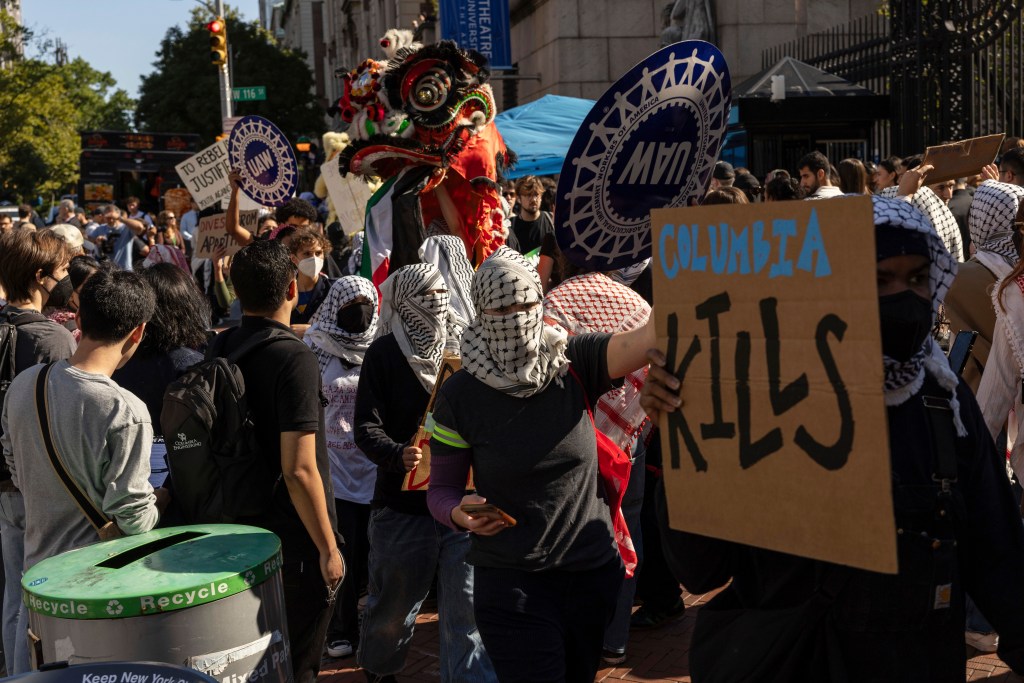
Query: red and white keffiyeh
[(593, 302)]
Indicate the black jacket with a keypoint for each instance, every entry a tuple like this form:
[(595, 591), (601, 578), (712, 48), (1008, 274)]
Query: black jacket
[(886, 625)]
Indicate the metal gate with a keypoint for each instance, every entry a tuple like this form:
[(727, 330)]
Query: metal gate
[(953, 68)]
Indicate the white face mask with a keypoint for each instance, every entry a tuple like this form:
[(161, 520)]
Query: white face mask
[(311, 267)]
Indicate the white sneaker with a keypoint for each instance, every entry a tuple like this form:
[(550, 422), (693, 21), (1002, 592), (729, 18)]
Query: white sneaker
[(339, 648), (982, 642)]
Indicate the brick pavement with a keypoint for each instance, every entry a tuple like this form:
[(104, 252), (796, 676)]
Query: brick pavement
[(658, 656)]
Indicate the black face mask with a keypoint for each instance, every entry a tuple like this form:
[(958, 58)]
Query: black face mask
[(906, 322), (61, 293), (355, 317)]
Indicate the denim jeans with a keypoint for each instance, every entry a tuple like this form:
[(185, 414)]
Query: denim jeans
[(15, 617), (617, 634), (406, 551)]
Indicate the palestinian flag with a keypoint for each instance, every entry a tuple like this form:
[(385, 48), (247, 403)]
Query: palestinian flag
[(394, 225)]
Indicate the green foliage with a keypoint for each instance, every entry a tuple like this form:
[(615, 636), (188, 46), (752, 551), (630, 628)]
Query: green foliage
[(182, 94), (43, 105)]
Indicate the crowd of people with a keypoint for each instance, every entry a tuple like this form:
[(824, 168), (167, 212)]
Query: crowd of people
[(536, 535)]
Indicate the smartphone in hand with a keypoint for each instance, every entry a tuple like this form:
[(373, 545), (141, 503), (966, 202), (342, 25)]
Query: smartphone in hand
[(487, 510)]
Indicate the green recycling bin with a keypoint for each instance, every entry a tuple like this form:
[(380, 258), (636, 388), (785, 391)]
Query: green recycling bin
[(207, 596)]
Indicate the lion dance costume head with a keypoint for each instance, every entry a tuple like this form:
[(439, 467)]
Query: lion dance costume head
[(423, 121)]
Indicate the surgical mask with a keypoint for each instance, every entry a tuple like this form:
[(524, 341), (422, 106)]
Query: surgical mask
[(311, 267), (356, 317), (61, 293), (906, 323)]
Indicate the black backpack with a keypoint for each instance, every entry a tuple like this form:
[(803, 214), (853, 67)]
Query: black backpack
[(9, 324), (212, 451)]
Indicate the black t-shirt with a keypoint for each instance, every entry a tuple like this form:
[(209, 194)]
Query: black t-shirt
[(530, 234), (316, 297), (390, 403), (148, 375), (536, 459), (282, 388)]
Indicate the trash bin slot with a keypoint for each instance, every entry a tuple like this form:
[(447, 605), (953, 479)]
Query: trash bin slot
[(137, 553)]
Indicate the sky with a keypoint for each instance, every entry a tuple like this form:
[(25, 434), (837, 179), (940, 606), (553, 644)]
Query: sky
[(119, 36)]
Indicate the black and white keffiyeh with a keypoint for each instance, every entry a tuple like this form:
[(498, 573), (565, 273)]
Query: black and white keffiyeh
[(990, 221), (941, 218), (904, 379), (417, 318), (448, 253), (326, 339), (515, 353)]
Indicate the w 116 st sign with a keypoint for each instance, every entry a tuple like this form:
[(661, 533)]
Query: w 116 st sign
[(250, 93)]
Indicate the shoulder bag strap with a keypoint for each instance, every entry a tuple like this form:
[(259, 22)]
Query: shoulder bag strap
[(95, 516)]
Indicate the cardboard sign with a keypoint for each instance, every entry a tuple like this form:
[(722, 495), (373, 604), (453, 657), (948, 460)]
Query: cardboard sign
[(206, 174), (650, 142), (264, 157), (349, 194), (178, 200), (212, 234), (419, 478), (961, 159), (768, 314)]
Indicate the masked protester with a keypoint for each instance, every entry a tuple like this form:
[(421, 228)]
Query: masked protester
[(958, 527), (448, 253), (307, 253), (342, 330), (969, 302), (519, 416), (34, 274), (407, 547)]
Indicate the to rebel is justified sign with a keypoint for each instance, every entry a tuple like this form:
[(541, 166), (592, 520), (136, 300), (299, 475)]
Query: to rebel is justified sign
[(206, 174), (768, 314), (212, 235)]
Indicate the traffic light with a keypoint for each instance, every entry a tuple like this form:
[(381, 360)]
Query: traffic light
[(218, 41)]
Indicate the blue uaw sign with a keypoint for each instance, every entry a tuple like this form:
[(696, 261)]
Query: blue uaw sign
[(264, 156), (650, 142)]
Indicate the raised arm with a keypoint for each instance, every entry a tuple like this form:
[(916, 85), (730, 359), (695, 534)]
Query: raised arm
[(232, 223)]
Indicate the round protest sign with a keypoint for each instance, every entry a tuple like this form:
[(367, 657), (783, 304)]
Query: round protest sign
[(264, 156), (650, 142)]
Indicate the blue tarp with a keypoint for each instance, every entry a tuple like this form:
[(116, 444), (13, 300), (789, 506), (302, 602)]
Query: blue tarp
[(540, 132)]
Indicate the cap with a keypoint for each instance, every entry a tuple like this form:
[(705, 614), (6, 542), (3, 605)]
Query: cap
[(724, 171), (70, 234)]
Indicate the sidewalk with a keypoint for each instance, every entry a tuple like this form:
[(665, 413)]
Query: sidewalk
[(658, 656)]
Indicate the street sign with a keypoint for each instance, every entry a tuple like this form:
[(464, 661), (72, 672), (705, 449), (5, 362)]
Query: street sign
[(251, 93)]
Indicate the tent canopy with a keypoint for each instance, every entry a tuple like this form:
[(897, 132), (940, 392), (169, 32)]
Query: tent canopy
[(541, 131)]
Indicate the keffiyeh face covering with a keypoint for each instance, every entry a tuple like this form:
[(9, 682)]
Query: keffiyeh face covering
[(414, 306), (990, 221), (448, 253), (327, 338), (514, 353), (903, 379)]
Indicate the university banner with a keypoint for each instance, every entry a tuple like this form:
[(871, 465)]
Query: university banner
[(481, 25)]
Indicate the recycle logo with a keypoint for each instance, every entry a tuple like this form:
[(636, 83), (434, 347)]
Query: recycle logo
[(249, 577), (114, 608)]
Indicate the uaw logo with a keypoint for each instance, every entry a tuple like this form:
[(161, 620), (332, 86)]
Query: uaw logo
[(265, 158), (650, 142)]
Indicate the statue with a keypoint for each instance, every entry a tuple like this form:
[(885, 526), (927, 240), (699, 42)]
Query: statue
[(688, 20)]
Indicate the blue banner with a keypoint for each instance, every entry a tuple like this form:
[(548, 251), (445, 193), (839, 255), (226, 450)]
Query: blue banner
[(481, 25)]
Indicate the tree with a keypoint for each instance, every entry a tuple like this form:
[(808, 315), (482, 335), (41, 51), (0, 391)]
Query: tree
[(43, 105), (181, 95)]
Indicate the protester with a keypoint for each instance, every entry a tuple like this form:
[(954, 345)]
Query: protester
[(34, 275), (282, 382), (408, 549), (532, 225), (100, 432), (594, 302), (959, 527), (80, 269), (724, 175), (307, 253), (552, 580), (969, 302), (117, 238), (783, 189), (342, 330), (725, 195), (749, 185), (886, 173), (853, 177), (175, 337), (448, 254), (815, 176)]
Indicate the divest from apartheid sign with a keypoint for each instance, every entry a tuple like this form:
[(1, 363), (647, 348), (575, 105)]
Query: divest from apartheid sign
[(768, 314)]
